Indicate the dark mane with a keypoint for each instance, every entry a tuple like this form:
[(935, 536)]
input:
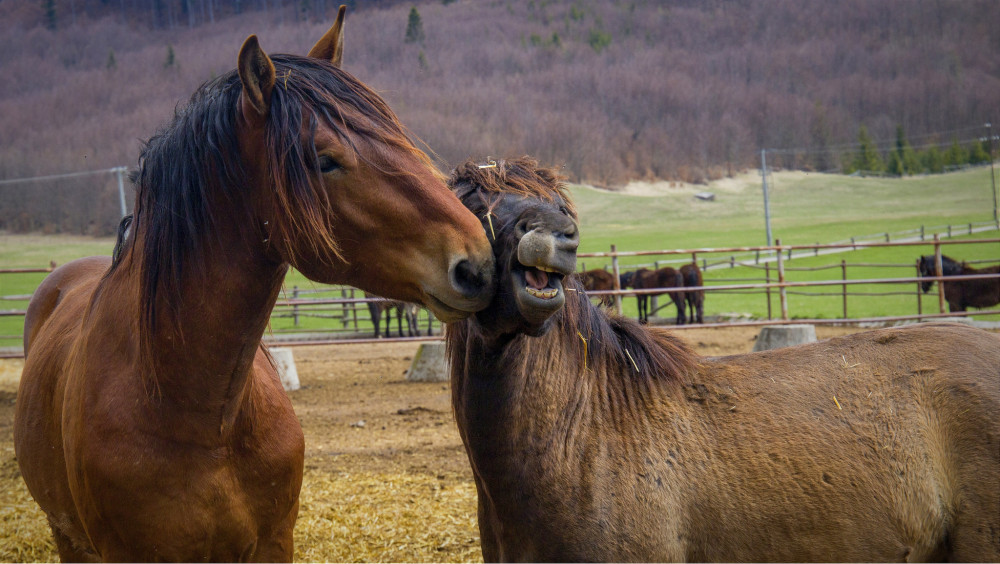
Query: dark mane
[(191, 171), (618, 344), (625, 355), (521, 176)]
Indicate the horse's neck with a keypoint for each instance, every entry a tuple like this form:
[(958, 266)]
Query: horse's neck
[(206, 360), (539, 392)]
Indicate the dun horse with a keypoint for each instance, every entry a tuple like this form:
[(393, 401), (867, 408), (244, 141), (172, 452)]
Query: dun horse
[(691, 275), (593, 438), (150, 422), (599, 279), (645, 279), (962, 294)]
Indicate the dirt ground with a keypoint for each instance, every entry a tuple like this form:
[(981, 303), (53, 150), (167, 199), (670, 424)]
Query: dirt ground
[(386, 478)]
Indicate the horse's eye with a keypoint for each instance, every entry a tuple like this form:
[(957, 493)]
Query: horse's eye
[(563, 210), (328, 164)]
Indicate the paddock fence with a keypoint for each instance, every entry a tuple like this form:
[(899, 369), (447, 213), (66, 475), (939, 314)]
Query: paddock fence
[(337, 314), (774, 284)]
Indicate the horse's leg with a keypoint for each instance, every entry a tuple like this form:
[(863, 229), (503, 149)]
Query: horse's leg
[(399, 320), (679, 298), (68, 550), (700, 304)]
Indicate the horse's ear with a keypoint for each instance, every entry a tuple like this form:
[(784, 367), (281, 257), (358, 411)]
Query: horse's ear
[(330, 47), (257, 75)]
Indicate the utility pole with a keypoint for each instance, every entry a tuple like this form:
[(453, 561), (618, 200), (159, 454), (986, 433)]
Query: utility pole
[(767, 202), (993, 178), (121, 188)]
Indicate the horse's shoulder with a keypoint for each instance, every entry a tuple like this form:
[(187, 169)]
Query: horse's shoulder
[(59, 288)]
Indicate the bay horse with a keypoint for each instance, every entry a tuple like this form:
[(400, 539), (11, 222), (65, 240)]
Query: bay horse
[(599, 279), (150, 422), (644, 279), (691, 275), (962, 294), (594, 438)]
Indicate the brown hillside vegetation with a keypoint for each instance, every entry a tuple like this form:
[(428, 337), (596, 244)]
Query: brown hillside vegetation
[(611, 90)]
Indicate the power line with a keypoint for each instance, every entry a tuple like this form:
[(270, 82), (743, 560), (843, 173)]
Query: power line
[(60, 176)]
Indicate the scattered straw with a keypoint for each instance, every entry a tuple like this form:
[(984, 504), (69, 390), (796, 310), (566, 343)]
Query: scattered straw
[(584, 349), (369, 517), (838, 403)]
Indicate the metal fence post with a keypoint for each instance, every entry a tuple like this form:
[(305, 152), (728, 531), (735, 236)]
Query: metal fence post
[(767, 290), (617, 281), (295, 307), (782, 293), (938, 269), (843, 276), (920, 301)]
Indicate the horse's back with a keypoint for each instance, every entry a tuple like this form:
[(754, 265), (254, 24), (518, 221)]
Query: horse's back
[(897, 430)]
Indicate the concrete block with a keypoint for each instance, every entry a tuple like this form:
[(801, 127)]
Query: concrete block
[(777, 336), (429, 364), (285, 364)]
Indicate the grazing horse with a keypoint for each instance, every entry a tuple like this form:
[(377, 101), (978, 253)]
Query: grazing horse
[(151, 424), (691, 275), (666, 277), (594, 438), (962, 294), (599, 279), (402, 309)]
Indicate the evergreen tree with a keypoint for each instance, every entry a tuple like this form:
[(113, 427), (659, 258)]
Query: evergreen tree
[(867, 158), (956, 155), (49, 7), (933, 160), (902, 160), (414, 27), (171, 61), (979, 153), (111, 64)]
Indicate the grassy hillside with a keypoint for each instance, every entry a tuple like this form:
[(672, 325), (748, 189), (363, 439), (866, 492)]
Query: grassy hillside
[(806, 208)]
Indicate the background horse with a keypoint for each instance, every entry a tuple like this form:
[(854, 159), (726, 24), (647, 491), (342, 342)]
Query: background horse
[(594, 438), (403, 310), (599, 279), (691, 275), (151, 424), (962, 294), (666, 277)]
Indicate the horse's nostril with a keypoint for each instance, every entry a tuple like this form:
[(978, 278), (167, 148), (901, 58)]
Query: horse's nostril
[(469, 280)]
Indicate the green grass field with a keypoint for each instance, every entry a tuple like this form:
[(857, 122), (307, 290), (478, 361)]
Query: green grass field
[(805, 209)]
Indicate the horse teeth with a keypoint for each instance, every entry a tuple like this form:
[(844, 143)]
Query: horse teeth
[(544, 294)]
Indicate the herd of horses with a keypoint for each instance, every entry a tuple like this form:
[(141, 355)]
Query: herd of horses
[(687, 280), (151, 424)]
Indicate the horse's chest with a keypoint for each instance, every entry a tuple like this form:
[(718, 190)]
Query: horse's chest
[(173, 501)]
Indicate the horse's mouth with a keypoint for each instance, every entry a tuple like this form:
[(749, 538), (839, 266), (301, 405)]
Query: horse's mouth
[(538, 291), (444, 312)]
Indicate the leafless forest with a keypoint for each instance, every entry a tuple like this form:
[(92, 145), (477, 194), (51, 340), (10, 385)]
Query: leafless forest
[(612, 90)]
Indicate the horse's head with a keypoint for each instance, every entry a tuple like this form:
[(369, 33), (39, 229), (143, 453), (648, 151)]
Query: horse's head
[(525, 211), (625, 279), (926, 268), (341, 192)]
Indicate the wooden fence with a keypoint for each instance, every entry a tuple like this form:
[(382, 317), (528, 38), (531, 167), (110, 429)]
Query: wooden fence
[(343, 311), (774, 280)]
